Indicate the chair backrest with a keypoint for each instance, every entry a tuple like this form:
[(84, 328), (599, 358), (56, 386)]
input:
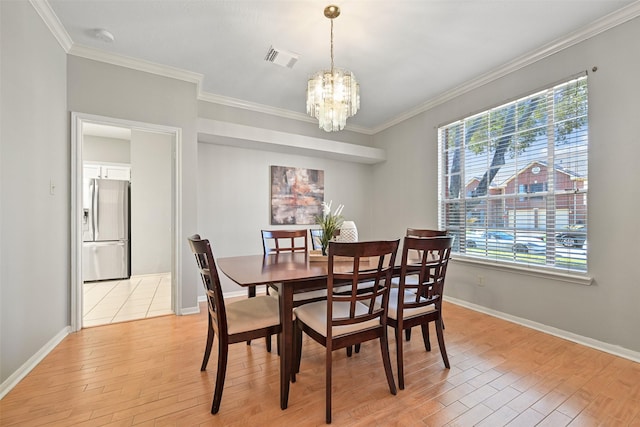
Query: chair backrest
[(424, 232), (431, 270), (211, 281), (277, 241), (360, 262), (316, 237)]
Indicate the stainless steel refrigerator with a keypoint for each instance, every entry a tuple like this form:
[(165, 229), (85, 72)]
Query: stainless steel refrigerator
[(105, 230)]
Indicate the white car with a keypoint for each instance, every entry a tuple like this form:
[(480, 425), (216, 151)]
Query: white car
[(503, 241)]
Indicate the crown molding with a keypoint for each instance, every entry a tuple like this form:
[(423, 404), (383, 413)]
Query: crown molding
[(246, 105), (605, 23), (43, 8), (136, 64)]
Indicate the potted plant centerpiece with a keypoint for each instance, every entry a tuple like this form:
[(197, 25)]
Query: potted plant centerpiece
[(329, 223)]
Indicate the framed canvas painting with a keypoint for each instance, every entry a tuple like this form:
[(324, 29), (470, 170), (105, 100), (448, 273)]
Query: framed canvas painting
[(296, 195)]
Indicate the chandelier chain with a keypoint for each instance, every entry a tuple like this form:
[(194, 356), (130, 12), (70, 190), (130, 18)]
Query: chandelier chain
[(331, 45)]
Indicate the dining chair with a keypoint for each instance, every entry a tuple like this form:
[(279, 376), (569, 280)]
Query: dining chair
[(425, 232), (420, 303), (418, 232), (347, 319), (275, 242), (279, 241), (233, 323)]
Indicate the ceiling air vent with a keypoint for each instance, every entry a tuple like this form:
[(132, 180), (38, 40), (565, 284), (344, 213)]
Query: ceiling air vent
[(281, 57)]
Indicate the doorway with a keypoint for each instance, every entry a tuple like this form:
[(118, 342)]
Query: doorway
[(152, 253)]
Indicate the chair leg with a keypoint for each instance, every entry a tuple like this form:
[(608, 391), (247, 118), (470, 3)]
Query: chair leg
[(400, 357), (425, 336), (353, 348), (207, 350), (223, 353), (407, 334), (386, 361), (268, 342), (328, 360), (297, 347), (443, 350)]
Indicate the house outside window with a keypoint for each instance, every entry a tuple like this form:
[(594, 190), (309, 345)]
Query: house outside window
[(513, 180)]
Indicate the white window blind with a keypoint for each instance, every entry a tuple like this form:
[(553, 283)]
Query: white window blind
[(513, 180)]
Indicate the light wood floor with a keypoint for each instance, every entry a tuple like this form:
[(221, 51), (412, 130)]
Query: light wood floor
[(147, 373)]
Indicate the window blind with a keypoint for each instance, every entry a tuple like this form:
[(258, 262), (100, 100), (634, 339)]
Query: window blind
[(513, 180)]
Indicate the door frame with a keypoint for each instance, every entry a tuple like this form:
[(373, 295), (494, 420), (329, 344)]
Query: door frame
[(77, 121)]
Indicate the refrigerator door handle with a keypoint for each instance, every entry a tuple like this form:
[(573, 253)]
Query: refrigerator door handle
[(94, 197)]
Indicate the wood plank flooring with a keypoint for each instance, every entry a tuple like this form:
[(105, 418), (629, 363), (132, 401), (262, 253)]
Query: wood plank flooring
[(146, 373)]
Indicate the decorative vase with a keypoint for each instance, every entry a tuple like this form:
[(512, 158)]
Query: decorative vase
[(348, 232)]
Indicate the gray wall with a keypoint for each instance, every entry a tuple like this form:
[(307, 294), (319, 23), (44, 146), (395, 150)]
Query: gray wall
[(34, 224), (234, 190), (608, 310), (150, 202)]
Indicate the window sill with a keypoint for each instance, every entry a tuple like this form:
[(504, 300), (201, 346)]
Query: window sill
[(546, 273)]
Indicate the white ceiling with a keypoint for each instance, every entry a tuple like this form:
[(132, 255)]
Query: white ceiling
[(404, 53)]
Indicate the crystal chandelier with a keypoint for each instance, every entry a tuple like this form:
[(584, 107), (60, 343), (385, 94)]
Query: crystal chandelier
[(332, 95)]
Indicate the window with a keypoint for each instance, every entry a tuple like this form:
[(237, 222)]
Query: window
[(513, 180)]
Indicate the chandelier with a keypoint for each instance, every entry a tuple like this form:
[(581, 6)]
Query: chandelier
[(332, 95)]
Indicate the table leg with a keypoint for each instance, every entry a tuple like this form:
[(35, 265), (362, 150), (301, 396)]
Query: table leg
[(286, 341)]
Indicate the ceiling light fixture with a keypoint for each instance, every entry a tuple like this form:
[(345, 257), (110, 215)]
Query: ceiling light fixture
[(332, 95)]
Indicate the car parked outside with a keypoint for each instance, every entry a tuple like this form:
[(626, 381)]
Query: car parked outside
[(503, 241), (573, 237)]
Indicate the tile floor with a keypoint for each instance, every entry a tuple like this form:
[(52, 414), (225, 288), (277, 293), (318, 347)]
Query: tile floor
[(115, 301)]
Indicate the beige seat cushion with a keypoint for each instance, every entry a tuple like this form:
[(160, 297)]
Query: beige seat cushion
[(409, 296), (315, 316), (252, 313)]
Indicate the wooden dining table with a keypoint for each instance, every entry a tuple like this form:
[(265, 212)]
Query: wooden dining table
[(297, 273)]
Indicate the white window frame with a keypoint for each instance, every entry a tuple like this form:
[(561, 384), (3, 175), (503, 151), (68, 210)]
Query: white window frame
[(548, 268)]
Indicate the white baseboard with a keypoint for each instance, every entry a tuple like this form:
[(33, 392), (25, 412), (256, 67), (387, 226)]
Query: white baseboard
[(579, 339), (33, 361)]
